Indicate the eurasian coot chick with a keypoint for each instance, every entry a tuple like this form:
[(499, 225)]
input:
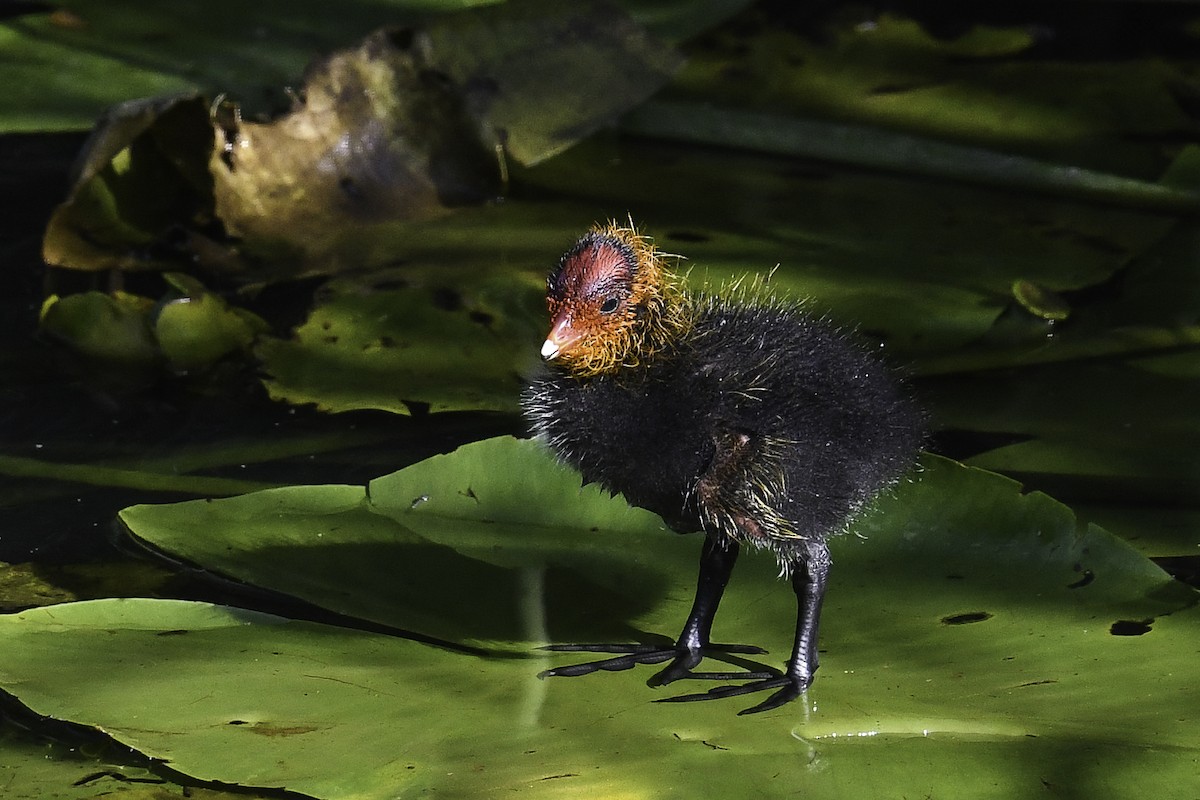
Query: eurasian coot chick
[(732, 414)]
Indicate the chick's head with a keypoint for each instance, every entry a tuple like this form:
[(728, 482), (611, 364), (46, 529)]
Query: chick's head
[(612, 302)]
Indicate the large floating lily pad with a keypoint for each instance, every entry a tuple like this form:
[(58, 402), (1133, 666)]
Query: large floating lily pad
[(975, 632), (434, 576)]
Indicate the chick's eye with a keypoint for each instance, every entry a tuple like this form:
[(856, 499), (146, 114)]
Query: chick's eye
[(609, 306)]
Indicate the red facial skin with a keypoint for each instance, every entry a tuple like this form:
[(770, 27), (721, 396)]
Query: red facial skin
[(591, 300), (614, 303)]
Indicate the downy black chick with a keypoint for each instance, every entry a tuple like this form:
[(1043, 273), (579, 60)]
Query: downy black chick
[(739, 416)]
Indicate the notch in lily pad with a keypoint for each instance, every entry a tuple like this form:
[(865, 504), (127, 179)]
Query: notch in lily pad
[(1039, 301)]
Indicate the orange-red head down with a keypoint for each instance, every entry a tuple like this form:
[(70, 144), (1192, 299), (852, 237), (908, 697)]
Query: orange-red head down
[(612, 303)]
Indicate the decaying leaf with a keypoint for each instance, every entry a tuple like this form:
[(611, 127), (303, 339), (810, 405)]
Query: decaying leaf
[(381, 134), (138, 181), (405, 126)]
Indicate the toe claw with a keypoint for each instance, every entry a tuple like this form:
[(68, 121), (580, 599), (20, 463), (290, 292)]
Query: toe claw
[(785, 695), (788, 689)]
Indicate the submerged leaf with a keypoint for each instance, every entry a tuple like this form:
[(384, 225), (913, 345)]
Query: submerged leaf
[(36, 770), (22, 587)]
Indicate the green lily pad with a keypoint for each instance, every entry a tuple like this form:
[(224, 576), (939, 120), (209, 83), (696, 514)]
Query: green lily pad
[(431, 582), (1158, 286), (192, 328), (65, 68), (1103, 432), (1040, 301), (30, 771), (878, 148), (986, 86), (336, 714), (1097, 431), (444, 340), (926, 264), (954, 637), (112, 327), (66, 65), (926, 293), (553, 77), (198, 327)]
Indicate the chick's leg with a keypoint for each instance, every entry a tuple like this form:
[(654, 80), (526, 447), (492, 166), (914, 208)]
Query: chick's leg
[(738, 497), (716, 565), (734, 454), (809, 575), (694, 643), (809, 578)]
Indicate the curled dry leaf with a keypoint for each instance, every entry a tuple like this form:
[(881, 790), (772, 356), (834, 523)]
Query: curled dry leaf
[(379, 134), (138, 184), (404, 126)]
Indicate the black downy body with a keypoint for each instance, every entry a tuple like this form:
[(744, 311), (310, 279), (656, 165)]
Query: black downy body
[(760, 425)]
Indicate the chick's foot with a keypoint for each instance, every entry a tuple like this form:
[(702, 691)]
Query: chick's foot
[(788, 689), (682, 666)]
